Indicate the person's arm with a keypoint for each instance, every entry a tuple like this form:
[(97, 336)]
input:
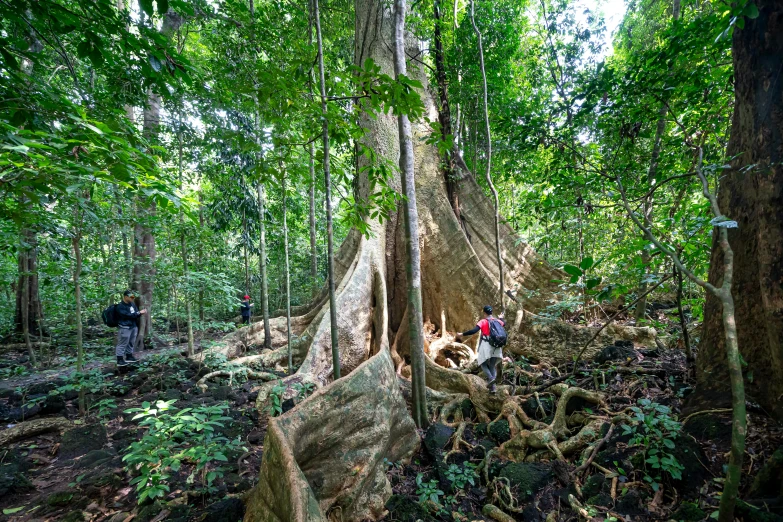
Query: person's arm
[(472, 331), (125, 312)]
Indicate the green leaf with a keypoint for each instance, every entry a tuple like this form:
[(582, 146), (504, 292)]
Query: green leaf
[(572, 270), (11, 511), (592, 283), (751, 11), (586, 263), (146, 6), (155, 63), (163, 6)]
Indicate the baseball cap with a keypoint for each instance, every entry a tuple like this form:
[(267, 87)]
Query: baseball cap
[(247, 297), (129, 293)]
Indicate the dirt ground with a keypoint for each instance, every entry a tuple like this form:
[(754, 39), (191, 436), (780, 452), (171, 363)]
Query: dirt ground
[(81, 475)]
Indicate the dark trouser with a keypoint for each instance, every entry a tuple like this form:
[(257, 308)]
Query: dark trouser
[(245, 319), (127, 339), (490, 367)]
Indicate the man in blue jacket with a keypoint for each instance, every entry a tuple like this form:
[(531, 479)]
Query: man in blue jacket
[(129, 327)]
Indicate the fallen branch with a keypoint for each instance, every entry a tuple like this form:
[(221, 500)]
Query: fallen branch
[(33, 427), (615, 316), (704, 412), (596, 449), (21, 346)]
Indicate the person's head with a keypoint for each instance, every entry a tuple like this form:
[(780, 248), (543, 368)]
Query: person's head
[(246, 298), (487, 310), (128, 296)]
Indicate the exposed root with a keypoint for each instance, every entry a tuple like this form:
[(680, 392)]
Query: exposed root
[(33, 427), (595, 451), (457, 441), (501, 492), (578, 508), (496, 513), (247, 372), (443, 351)]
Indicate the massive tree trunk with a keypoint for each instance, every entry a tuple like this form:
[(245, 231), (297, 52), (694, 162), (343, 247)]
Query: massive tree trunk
[(751, 193), (326, 457)]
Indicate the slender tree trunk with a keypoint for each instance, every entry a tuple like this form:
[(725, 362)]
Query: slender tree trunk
[(328, 198), (77, 294), (648, 204), (200, 257), (686, 339), (244, 246), (25, 319), (313, 246), (184, 249), (411, 224), (28, 264), (489, 157), (144, 248), (262, 268), (287, 273), (729, 327)]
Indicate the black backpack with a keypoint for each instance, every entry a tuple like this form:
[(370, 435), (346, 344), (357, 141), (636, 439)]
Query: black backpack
[(497, 334), (110, 316)]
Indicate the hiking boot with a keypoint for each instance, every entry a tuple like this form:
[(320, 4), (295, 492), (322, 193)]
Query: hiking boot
[(492, 388), (121, 361), (130, 358), (491, 382)]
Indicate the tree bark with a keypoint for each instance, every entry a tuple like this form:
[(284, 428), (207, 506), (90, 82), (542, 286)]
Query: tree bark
[(77, 295), (28, 282), (328, 199), (144, 247), (686, 338), (262, 267), (444, 109), (184, 247), (338, 438), (313, 246), (751, 193), (287, 272), (411, 224)]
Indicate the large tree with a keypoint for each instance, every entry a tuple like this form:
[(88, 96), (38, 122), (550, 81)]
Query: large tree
[(328, 454), (751, 193)]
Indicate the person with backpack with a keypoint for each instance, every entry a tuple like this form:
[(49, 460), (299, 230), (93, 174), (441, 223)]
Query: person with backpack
[(490, 348), (245, 309), (127, 317)]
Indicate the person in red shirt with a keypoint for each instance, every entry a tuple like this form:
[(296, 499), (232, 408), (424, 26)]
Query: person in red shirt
[(488, 356)]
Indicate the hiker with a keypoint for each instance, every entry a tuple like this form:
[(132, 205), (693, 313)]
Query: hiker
[(246, 310), (488, 356), (128, 322)]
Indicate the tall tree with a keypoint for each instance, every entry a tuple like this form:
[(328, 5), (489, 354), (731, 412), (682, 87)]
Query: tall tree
[(488, 173), (144, 238), (411, 231), (327, 197), (751, 194)]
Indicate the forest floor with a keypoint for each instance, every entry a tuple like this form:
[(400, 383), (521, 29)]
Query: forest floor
[(87, 474)]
